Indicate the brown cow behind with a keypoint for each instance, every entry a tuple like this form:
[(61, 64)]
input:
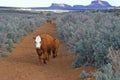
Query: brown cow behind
[(49, 21)]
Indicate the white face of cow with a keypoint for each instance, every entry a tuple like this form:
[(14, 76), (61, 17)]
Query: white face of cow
[(38, 41)]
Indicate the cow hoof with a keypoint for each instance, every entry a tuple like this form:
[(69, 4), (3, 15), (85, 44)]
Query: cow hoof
[(44, 62)]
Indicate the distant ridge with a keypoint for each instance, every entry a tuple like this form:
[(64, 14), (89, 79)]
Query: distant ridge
[(60, 6), (99, 5), (94, 5)]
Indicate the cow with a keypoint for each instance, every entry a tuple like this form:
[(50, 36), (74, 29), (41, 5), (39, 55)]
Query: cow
[(49, 21), (44, 46)]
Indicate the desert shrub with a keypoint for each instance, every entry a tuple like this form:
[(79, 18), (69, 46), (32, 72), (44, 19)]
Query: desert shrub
[(89, 35), (14, 24), (83, 75), (2, 39), (101, 76), (114, 55), (106, 73), (79, 61), (3, 53), (9, 45)]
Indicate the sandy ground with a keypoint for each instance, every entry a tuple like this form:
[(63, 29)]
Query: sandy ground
[(22, 63)]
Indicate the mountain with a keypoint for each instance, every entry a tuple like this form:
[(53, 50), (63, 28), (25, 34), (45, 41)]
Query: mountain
[(54, 6), (78, 7), (99, 5), (94, 5), (60, 6)]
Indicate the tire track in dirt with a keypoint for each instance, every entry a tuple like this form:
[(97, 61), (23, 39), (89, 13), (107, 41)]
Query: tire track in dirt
[(22, 63)]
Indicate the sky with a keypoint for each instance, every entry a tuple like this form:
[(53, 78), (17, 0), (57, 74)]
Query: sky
[(46, 3)]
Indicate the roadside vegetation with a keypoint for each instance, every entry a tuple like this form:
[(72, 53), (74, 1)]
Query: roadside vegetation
[(15, 24), (94, 36)]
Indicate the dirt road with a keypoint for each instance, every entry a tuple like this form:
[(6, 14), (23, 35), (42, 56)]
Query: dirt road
[(22, 63)]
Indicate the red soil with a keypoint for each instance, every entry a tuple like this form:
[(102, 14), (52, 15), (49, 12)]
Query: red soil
[(22, 63)]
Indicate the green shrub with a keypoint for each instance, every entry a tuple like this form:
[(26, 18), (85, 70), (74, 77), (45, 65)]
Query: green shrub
[(101, 76), (83, 75), (15, 24), (9, 45), (89, 35), (78, 62), (106, 73), (3, 54)]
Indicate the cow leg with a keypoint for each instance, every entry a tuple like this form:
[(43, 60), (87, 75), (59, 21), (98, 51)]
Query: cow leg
[(44, 61), (54, 53), (40, 60), (39, 55), (44, 57), (49, 52), (47, 56)]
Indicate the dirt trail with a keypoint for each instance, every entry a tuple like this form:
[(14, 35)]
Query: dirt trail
[(22, 63)]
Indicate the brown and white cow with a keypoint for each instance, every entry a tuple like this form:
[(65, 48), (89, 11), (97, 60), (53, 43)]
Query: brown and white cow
[(45, 44)]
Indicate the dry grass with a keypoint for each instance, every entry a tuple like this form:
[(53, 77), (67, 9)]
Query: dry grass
[(114, 55)]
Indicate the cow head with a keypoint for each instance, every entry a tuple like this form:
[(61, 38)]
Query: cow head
[(37, 41)]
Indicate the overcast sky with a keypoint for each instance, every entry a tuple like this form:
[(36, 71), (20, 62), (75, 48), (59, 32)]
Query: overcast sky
[(46, 3)]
